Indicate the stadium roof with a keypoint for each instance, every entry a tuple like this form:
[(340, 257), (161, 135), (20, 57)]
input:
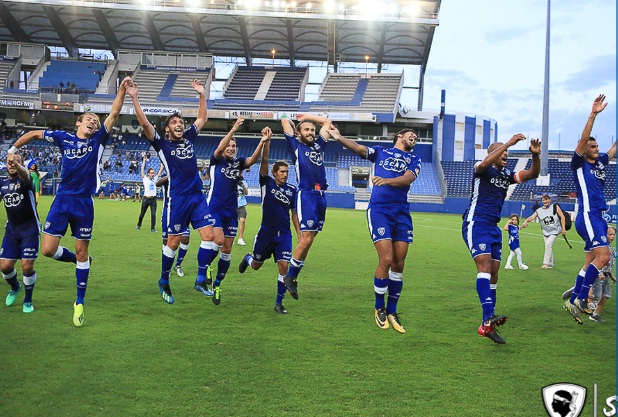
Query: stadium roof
[(378, 31)]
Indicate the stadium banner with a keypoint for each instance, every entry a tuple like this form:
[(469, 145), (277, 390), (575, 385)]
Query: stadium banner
[(159, 111), (358, 117), (213, 114), (103, 108), (294, 114), (247, 114), (17, 103), (254, 192), (179, 69)]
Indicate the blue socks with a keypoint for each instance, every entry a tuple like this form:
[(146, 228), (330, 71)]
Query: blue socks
[(484, 292), (394, 291), (294, 268), (11, 279), (64, 255), (167, 260), (222, 267), (591, 275), (29, 286), (182, 252), (82, 271), (280, 290), (380, 286), (578, 286)]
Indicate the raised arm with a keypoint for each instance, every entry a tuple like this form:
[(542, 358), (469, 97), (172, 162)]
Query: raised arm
[(25, 139), (264, 160), (112, 118), (160, 170), (496, 154), (287, 125), (162, 182), (506, 226), (597, 107), (324, 122), (202, 113), (266, 135), (226, 139), (143, 166), (612, 151), (149, 130), (360, 150), (535, 168)]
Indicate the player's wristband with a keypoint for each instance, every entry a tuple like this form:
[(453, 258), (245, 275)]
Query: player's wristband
[(13, 149)]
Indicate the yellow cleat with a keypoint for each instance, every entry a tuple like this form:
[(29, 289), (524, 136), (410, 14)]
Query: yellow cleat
[(393, 318), (78, 314), (381, 319)]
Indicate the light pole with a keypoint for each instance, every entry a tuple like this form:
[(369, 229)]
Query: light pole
[(366, 62)]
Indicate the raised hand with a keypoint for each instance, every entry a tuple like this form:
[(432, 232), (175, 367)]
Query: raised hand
[(198, 86), (535, 146), (598, 106)]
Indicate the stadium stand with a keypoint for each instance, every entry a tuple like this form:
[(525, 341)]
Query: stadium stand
[(72, 76), (6, 66), (244, 83)]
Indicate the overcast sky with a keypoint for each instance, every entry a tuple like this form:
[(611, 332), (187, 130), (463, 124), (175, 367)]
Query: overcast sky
[(489, 57)]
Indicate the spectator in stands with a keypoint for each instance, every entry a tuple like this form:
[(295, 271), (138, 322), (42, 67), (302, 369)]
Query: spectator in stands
[(274, 237), (106, 166), (388, 215), (21, 232), (73, 203), (589, 172), (242, 209), (133, 167), (187, 203), (551, 219), (149, 180), (307, 153), (480, 228)]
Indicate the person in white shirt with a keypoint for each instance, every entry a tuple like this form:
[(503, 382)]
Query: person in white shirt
[(149, 198), (551, 219)]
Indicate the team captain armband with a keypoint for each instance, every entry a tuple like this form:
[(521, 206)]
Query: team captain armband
[(518, 177)]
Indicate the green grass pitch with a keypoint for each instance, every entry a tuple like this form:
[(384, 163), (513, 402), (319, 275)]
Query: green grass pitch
[(138, 356)]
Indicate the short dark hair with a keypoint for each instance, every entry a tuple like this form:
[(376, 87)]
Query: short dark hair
[(279, 164), (402, 132), (169, 118)]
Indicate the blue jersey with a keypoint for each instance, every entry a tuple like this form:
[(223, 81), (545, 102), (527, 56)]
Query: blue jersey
[(178, 158), (488, 194), (513, 236), (309, 163), (391, 163), (224, 175), (19, 201), (589, 182), (80, 161), (277, 201)]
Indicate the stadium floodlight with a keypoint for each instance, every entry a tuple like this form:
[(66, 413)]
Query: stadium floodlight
[(329, 6), (252, 4), (413, 9), (308, 6)]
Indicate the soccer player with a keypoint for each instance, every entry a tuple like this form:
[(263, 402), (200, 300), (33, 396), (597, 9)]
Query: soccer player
[(73, 204), (242, 210), (274, 237), (589, 171), (186, 234), (480, 228), (149, 180), (388, 216), (186, 204), (308, 157), (512, 227), (21, 233), (225, 169)]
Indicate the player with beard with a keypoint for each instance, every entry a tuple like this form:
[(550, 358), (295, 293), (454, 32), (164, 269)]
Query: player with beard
[(21, 233), (388, 216), (73, 203), (480, 228), (308, 157), (589, 172), (185, 202), (225, 169)]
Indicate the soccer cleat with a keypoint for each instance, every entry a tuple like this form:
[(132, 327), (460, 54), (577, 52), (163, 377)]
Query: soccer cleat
[(179, 271), (27, 308), (573, 311), (12, 296), (568, 293), (393, 318), (546, 266), (493, 335), (582, 305), (137, 228), (523, 267), (292, 286), (280, 309), (208, 275), (78, 315), (153, 230), (216, 298), (166, 294), (489, 325), (241, 242), (508, 267), (597, 318), (242, 267), (203, 288), (381, 319)]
